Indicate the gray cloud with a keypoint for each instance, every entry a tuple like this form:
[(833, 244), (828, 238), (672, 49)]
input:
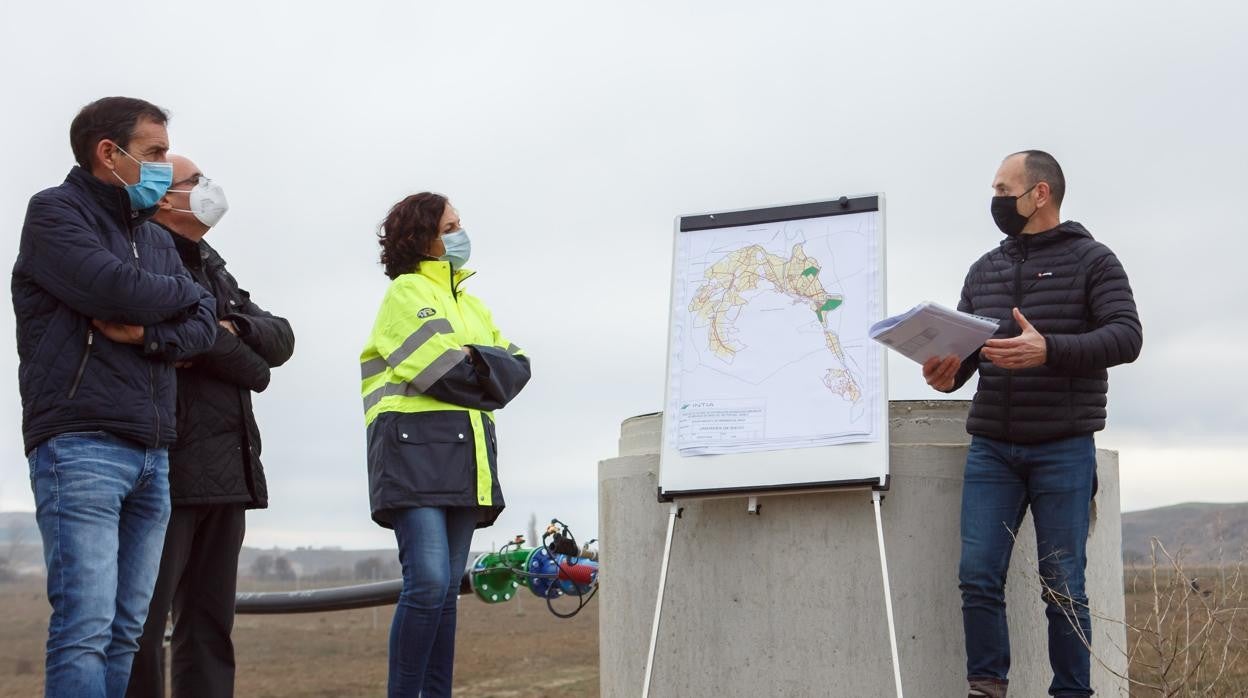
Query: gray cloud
[(570, 135)]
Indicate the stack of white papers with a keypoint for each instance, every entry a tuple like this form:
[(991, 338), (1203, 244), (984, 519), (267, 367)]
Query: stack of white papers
[(930, 329)]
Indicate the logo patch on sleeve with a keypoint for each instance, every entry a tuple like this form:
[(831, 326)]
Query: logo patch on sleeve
[(426, 312)]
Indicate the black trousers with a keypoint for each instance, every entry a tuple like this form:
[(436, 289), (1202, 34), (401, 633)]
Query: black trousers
[(198, 577)]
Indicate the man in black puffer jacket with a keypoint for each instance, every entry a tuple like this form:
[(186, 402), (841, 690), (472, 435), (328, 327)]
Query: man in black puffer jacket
[(1067, 314), (104, 309), (214, 467)]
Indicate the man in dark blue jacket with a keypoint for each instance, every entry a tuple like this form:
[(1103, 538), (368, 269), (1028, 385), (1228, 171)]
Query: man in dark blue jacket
[(104, 308), (1067, 315)]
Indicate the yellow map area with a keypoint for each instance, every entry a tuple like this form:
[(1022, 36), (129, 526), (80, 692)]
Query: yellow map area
[(718, 302)]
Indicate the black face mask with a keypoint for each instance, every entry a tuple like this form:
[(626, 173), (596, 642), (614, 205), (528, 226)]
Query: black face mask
[(1005, 213)]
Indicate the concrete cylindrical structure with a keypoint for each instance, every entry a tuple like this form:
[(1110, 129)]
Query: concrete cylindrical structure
[(790, 603)]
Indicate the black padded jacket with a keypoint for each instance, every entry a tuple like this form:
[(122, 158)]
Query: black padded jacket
[(216, 459), (1075, 292)]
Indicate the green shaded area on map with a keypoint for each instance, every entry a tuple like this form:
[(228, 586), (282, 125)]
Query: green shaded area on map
[(828, 306), (811, 271)]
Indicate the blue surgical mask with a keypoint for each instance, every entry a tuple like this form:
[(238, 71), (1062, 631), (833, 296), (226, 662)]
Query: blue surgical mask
[(154, 180), (458, 249)]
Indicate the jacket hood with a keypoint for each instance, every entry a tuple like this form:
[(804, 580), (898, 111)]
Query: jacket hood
[(1064, 231), (1071, 228)]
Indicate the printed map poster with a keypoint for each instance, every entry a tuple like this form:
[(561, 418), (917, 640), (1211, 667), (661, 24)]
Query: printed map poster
[(769, 335)]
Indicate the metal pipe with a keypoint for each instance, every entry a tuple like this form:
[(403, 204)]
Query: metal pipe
[(333, 599)]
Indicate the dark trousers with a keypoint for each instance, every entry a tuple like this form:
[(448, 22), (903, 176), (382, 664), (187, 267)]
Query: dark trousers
[(198, 577)]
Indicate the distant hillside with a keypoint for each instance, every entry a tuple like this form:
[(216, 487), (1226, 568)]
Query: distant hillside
[(21, 552), (1205, 534), (18, 527), (332, 563), (21, 548)]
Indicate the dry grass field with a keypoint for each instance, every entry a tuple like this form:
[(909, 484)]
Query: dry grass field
[(521, 651), (1187, 630), (506, 651)]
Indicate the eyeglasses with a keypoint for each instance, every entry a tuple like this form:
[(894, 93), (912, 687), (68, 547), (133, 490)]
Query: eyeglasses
[(192, 181)]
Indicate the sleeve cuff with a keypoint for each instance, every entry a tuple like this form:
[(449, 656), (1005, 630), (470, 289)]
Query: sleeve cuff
[(151, 345), (241, 323), (1050, 350)]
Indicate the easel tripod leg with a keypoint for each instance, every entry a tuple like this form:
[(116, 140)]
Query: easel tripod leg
[(888, 593), (658, 603)]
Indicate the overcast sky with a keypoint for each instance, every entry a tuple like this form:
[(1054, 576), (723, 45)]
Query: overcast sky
[(570, 134)]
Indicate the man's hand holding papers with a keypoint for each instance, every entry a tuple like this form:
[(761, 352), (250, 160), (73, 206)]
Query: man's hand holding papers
[(940, 372)]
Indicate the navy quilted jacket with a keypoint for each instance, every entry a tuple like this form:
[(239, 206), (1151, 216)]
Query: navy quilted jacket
[(1074, 291), (85, 254)]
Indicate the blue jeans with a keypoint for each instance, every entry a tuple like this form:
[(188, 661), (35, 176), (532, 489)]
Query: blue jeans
[(1057, 480), (102, 504), (433, 548)]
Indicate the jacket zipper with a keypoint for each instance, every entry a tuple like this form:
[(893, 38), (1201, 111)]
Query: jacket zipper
[(455, 285), (455, 297), (151, 368), (151, 373), (459, 313), (1018, 303), (82, 365)]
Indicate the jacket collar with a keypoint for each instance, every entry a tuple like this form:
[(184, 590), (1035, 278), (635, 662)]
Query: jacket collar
[(113, 200), (194, 254), (440, 273), (191, 253)]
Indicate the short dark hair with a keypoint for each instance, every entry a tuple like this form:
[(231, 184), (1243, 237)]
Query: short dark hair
[(110, 118), (1042, 167), (409, 231)]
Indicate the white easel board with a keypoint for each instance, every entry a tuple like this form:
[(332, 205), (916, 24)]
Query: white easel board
[(772, 382)]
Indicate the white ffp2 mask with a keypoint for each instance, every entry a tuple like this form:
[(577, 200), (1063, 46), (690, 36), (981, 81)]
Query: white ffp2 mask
[(208, 203)]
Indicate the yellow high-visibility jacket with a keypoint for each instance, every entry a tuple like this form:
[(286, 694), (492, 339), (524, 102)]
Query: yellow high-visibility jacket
[(428, 403)]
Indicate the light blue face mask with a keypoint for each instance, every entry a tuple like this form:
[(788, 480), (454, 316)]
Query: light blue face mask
[(458, 249), (155, 178)]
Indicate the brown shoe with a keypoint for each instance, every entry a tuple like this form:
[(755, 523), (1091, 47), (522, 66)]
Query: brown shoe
[(987, 688)]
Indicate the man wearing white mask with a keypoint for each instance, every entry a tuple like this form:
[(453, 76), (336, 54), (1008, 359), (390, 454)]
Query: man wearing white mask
[(215, 473)]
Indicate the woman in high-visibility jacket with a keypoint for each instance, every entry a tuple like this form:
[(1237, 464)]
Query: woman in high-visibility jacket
[(433, 371)]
